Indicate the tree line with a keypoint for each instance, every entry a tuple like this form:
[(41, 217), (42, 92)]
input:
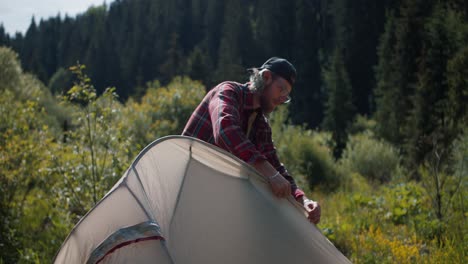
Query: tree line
[(401, 62), (128, 43)]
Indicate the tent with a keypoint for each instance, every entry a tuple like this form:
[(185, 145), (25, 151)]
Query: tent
[(186, 201)]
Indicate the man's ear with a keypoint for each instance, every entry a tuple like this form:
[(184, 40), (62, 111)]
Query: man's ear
[(267, 76)]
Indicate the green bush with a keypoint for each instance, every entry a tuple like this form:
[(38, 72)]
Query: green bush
[(60, 82), (458, 213), (27, 87), (362, 124), (95, 152), (24, 142), (10, 70), (305, 153), (380, 224), (163, 110), (374, 159), (445, 182)]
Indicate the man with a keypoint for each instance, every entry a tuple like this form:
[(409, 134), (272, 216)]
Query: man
[(234, 117)]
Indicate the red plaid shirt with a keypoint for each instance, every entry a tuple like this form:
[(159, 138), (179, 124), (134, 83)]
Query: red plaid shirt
[(222, 120)]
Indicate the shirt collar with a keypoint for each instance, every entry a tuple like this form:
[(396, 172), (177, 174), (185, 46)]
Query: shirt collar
[(249, 98)]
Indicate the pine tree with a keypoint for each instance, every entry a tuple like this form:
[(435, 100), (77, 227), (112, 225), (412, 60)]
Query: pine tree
[(431, 121), (48, 33), (396, 70), (230, 61), (311, 36), (388, 96), (95, 53), (4, 37), (457, 95), (29, 54), (174, 60), (362, 23), (198, 65), (340, 110), (271, 20)]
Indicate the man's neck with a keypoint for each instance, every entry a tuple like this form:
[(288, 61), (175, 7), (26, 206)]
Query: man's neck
[(256, 101)]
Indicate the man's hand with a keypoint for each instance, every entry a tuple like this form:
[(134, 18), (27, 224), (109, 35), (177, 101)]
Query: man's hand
[(280, 187), (313, 209)]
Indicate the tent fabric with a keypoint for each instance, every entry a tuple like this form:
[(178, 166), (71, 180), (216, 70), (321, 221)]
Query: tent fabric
[(125, 236), (186, 201)]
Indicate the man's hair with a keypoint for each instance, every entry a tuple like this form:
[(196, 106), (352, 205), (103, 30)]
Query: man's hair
[(257, 84)]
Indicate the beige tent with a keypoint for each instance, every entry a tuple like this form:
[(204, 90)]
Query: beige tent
[(185, 201)]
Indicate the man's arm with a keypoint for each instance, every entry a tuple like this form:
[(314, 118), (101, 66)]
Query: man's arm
[(228, 134), (272, 157), (312, 207)]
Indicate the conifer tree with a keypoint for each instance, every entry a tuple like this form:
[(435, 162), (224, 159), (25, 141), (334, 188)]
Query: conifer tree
[(339, 108), (430, 121)]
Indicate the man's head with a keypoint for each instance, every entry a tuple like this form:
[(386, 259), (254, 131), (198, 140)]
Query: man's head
[(273, 82)]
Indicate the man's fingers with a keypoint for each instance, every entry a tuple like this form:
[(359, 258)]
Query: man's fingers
[(314, 213), (280, 187), (314, 218)]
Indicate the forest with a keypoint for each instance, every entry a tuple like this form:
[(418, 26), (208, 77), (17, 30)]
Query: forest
[(376, 130)]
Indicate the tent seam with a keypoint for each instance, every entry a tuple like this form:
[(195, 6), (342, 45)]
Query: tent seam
[(152, 217), (163, 242), (139, 202), (183, 182)]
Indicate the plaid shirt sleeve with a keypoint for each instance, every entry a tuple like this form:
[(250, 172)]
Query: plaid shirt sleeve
[(225, 119), (270, 153)]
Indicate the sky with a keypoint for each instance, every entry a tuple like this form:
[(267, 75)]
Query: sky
[(15, 15)]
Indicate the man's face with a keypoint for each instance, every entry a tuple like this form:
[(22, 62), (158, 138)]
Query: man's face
[(276, 92)]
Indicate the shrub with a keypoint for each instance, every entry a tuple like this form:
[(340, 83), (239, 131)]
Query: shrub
[(362, 124), (27, 87), (95, 151), (10, 70), (374, 159), (378, 225), (445, 182), (24, 139), (163, 110), (305, 153), (457, 216)]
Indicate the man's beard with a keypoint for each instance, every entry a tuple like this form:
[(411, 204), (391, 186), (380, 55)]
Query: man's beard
[(265, 104)]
